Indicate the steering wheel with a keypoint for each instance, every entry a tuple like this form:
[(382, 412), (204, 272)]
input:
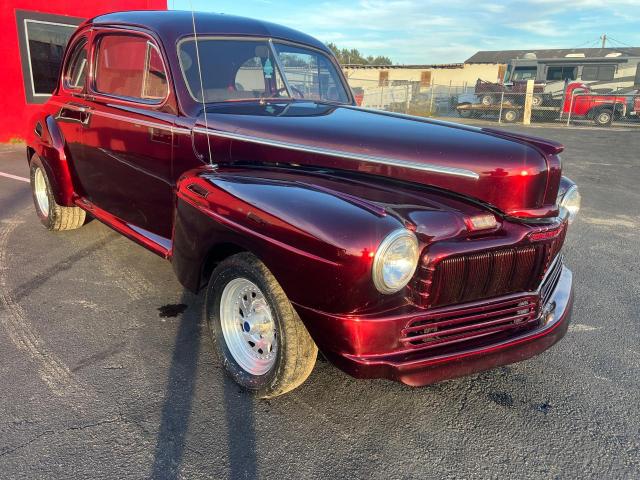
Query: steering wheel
[(295, 90)]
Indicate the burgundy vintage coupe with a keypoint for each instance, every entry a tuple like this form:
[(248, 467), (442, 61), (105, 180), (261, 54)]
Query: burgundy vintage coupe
[(401, 247)]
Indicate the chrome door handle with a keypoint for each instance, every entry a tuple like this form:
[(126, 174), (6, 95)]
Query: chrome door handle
[(78, 107)]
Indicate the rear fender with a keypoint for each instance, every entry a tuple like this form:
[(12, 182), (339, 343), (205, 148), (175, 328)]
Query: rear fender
[(47, 142)]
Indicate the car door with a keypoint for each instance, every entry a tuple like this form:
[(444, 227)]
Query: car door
[(72, 106), (127, 136)]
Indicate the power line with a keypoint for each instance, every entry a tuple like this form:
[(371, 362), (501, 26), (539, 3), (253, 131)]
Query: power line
[(588, 42), (619, 42)]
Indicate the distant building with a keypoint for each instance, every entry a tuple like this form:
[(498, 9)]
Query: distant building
[(496, 57), (380, 86), (607, 68), (451, 74)]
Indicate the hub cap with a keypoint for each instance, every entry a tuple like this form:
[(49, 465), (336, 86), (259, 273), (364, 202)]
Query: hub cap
[(40, 190), (248, 327)]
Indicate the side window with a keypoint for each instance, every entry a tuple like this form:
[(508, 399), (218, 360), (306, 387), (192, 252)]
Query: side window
[(524, 73), (598, 72), (76, 70), (561, 73), (129, 66), (310, 74), (606, 72), (250, 76), (636, 82)]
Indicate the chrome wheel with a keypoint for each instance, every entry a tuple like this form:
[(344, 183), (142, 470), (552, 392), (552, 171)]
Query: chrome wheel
[(486, 100), (40, 191), (248, 327), (510, 116), (603, 118)]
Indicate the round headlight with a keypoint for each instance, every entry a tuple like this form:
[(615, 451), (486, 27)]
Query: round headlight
[(395, 261), (570, 201)]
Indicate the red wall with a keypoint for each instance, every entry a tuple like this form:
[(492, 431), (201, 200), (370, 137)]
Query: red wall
[(15, 113)]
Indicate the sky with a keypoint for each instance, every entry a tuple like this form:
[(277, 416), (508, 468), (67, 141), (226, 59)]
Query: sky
[(443, 31)]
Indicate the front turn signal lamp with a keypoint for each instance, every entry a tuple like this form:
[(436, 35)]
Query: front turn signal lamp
[(569, 202), (395, 261)]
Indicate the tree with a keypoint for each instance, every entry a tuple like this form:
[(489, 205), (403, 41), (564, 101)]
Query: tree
[(353, 56)]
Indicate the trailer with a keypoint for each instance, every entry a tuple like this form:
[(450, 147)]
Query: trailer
[(578, 102), (508, 111)]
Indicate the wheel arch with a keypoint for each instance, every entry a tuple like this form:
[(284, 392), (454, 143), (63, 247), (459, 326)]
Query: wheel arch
[(216, 254), (46, 141)]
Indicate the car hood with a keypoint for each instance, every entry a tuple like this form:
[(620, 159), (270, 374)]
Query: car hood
[(516, 174)]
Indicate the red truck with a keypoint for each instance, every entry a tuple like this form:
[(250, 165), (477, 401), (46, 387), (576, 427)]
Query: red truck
[(580, 102)]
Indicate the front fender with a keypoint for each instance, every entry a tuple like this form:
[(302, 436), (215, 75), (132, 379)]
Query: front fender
[(317, 242), (47, 141)]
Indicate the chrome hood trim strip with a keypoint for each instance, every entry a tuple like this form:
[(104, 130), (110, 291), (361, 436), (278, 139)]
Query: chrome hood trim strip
[(424, 167)]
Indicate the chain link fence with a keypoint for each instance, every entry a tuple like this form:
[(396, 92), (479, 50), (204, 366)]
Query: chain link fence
[(576, 105)]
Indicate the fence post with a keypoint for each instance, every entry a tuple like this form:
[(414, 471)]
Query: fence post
[(407, 98), (382, 97), (528, 103), (500, 112), (570, 109), (431, 99)]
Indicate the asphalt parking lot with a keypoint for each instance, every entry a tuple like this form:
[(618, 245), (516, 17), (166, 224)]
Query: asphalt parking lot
[(106, 369)]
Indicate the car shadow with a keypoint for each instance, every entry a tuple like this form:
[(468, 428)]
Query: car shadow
[(172, 441)]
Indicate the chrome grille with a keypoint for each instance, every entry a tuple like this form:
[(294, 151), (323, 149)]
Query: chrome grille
[(485, 274)]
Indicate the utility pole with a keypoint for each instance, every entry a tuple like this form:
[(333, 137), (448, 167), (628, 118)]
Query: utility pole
[(604, 40)]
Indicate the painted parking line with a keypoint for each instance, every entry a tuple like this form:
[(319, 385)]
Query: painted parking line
[(14, 177)]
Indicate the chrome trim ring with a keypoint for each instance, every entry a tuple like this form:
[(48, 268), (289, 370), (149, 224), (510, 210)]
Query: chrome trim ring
[(40, 191), (378, 260), (248, 327)]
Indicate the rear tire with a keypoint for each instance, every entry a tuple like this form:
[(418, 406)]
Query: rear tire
[(258, 336), (53, 216), (603, 117), (537, 100)]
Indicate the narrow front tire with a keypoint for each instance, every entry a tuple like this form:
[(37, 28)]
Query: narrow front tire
[(258, 336)]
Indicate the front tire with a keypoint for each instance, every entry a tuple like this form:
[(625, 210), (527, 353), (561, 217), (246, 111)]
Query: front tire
[(258, 336), (510, 115), (53, 216), (464, 112)]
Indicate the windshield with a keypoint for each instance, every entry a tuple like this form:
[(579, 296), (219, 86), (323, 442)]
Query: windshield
[(238, 69), (524, 73)]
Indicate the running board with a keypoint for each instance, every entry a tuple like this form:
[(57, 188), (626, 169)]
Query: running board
[(157, 244)]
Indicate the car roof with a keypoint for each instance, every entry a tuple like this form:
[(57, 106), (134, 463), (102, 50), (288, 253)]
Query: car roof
[(173, 24)]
